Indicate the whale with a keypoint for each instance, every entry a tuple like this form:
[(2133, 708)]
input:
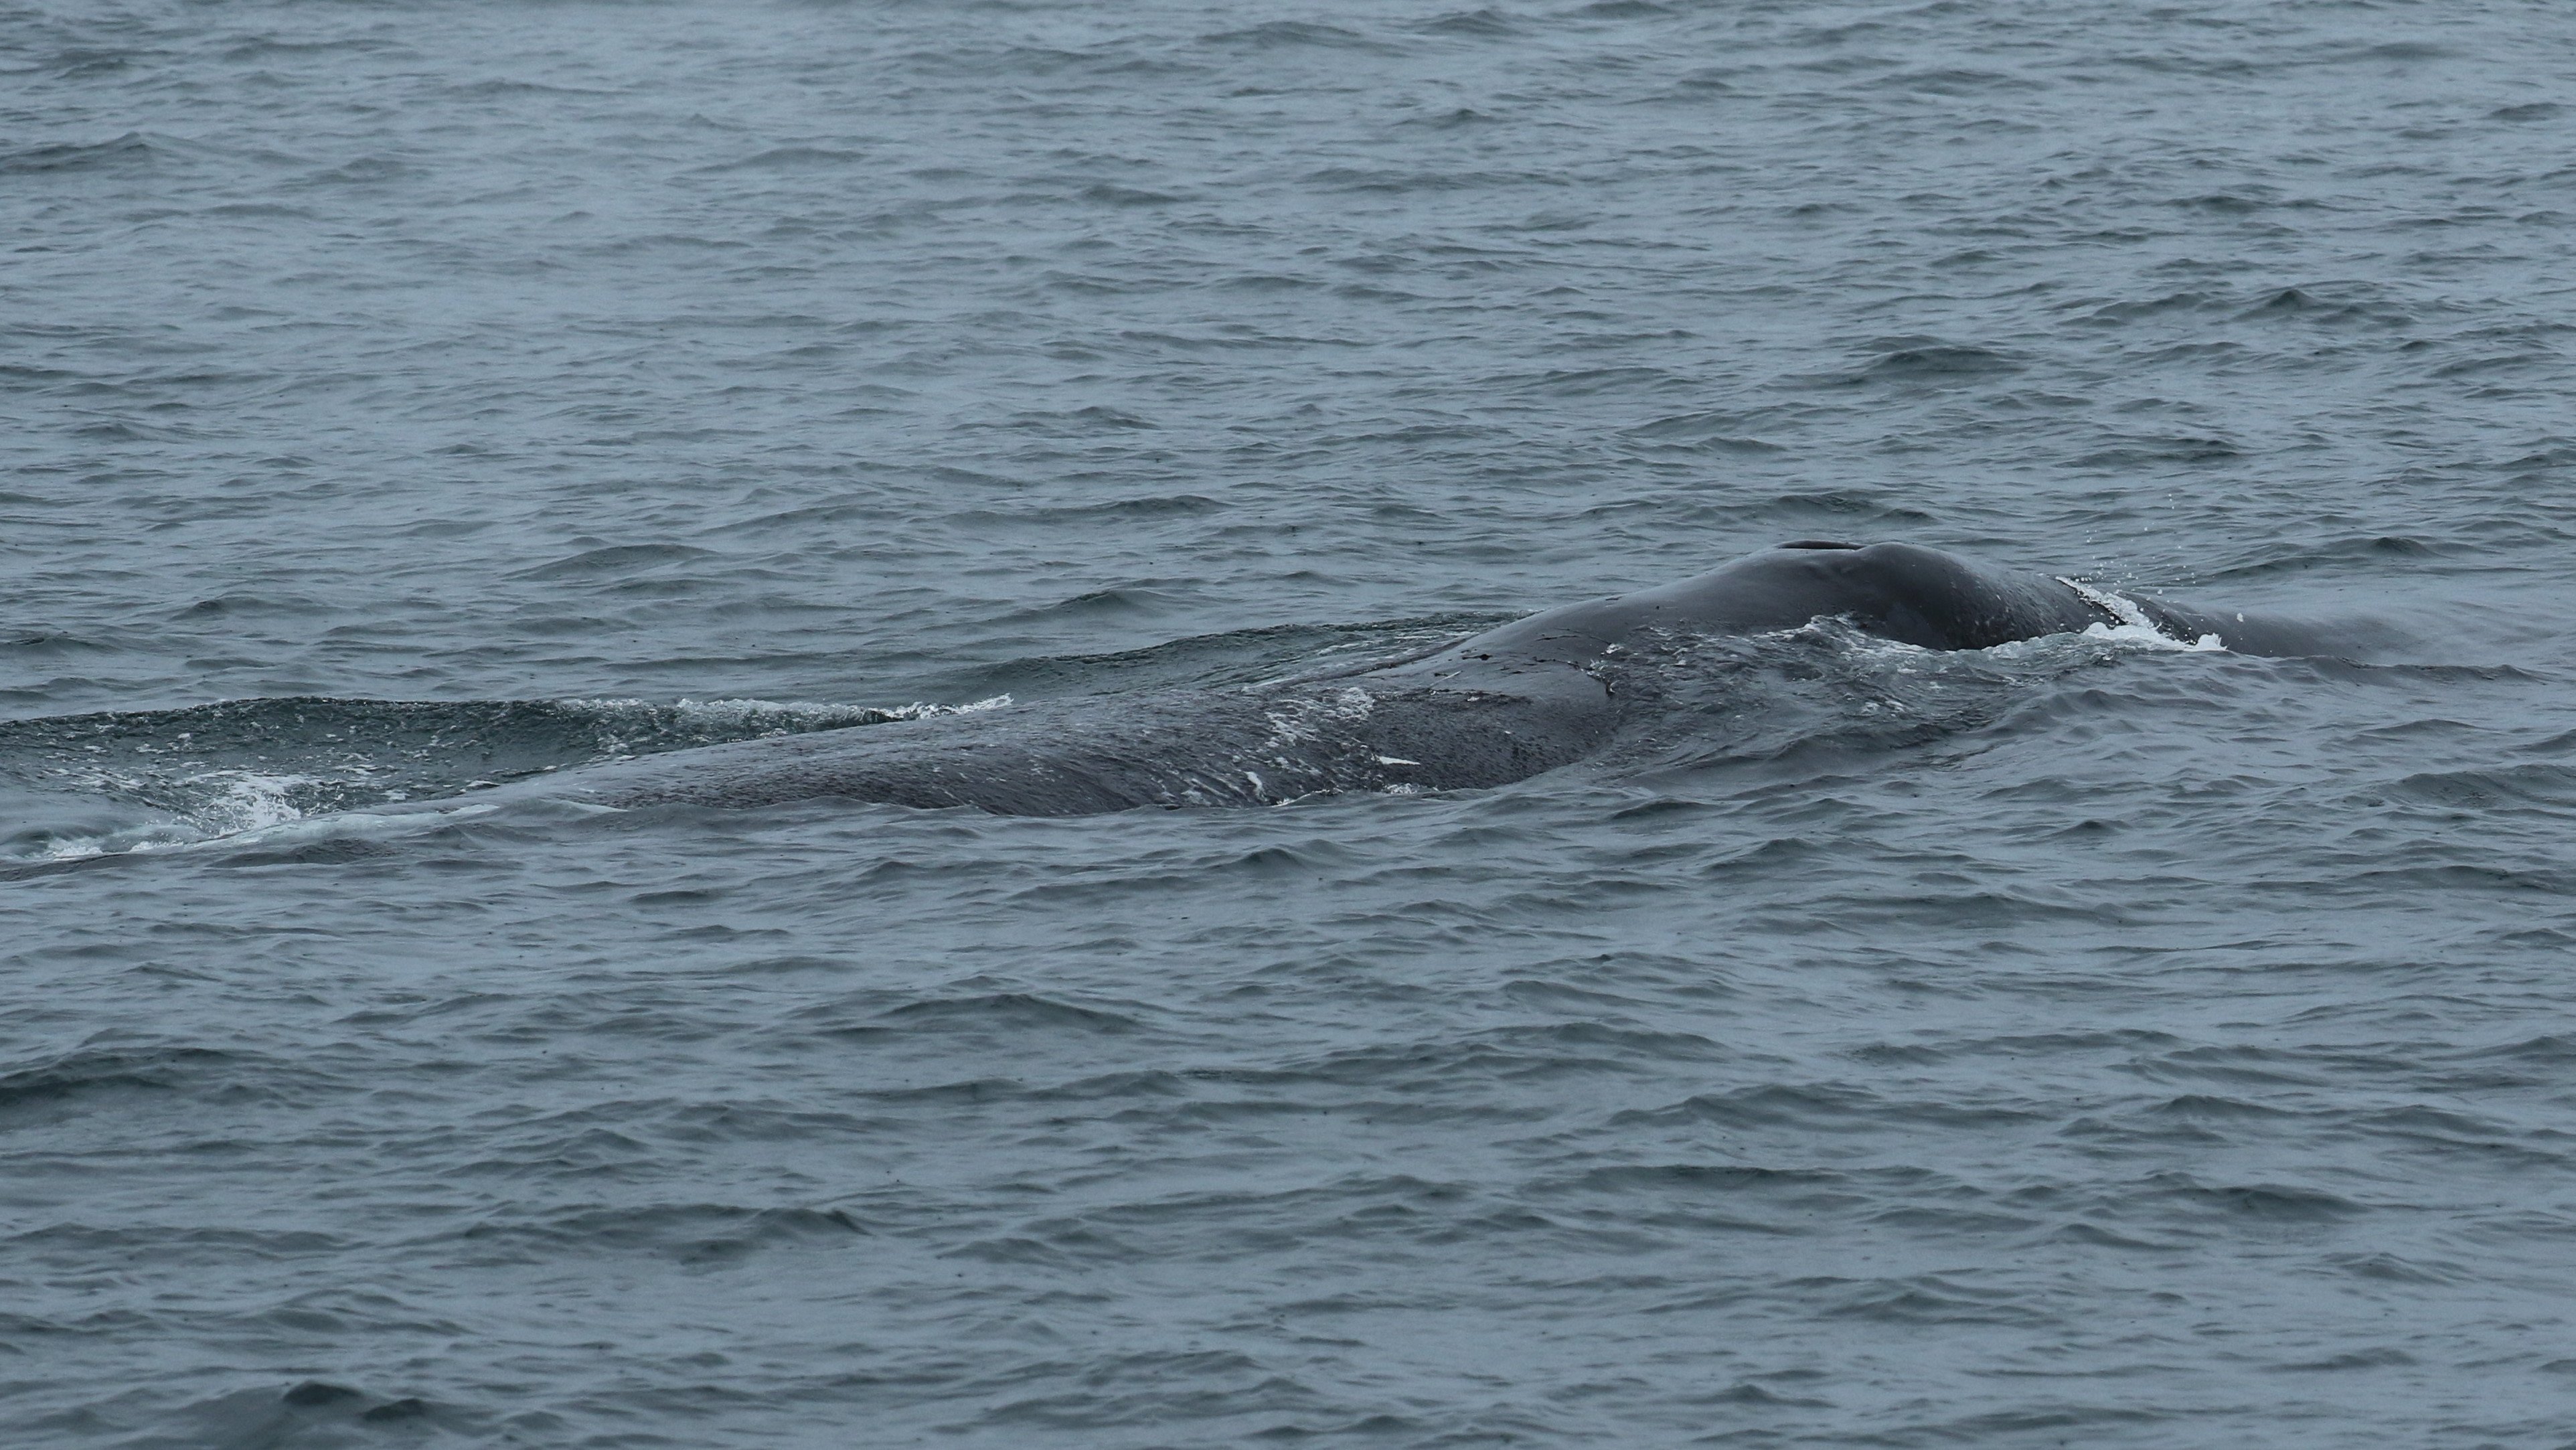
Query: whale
[(1527, 697)]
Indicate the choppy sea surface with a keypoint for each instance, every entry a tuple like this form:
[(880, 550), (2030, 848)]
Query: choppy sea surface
[(2069, 1044)]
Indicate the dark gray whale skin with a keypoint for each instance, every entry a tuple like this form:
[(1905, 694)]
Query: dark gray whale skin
[(1502, 706)]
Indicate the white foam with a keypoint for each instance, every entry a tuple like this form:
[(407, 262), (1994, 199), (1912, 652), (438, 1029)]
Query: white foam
[(241, 800), (253, 809), (2134, 629), (2134, 626), (157, 836), (247, 800), (801, 711), (779, 715)]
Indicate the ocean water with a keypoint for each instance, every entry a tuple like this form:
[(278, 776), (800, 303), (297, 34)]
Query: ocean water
[(2075, 1043)]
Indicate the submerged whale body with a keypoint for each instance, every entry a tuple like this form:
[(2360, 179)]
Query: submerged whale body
[(1507, 704)]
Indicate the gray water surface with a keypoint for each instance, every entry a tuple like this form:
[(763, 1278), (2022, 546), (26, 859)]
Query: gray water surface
[(2077, 1043)]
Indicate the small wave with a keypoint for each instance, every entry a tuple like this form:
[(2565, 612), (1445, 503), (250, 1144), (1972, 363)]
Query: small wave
[(1934, 361), (2352, 553), (1485, 24), (132, 148), (1156, 506), (791, 158), (1290, 34), (312, 1412), (1715, 432), (615, 559), (1004, 1010), (96, 1070)]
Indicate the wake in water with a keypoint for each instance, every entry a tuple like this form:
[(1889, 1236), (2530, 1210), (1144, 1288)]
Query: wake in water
[(85, 785)]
